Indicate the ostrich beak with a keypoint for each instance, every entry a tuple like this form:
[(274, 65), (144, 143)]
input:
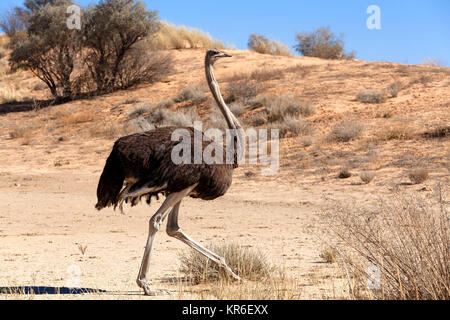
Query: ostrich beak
[(223, 55)]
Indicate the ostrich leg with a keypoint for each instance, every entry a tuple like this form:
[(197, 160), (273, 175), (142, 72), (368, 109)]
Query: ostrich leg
[(155, 224), (174, 230)]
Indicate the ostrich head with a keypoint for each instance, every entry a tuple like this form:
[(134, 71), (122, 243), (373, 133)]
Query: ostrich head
[(213, 55)]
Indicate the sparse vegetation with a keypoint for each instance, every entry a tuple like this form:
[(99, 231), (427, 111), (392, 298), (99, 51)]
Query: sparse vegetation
[(241, 91), (322, 43), (439, 132), (265, 74), (393, 89), (418, 175), (371, 96), (306, 141), (11, 23), (170, 36), (366, 176), (246, 263), (431, 62), (344, 173), (406, 238), (293, 125), (400, 131), (139, 110), (166, 117), (328, 255), (261, 44), (193, 93), (12, 94), (346, 131)]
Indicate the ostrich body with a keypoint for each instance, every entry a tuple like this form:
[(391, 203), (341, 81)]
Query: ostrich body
[(140, 166)]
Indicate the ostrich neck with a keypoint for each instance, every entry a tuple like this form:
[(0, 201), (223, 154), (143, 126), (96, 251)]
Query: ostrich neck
[(231, 120)]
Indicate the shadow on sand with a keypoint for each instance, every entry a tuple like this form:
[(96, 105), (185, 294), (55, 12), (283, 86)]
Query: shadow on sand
[(47, 290)]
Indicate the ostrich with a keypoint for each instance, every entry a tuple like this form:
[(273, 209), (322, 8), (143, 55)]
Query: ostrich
[(140, 165)]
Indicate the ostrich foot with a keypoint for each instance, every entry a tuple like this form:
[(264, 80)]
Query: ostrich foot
[(148, 291)]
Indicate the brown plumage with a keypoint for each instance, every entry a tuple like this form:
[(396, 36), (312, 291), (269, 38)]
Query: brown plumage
[(144, 159)]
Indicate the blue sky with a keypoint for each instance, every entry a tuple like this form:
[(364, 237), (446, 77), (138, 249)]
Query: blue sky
[(411, 30)]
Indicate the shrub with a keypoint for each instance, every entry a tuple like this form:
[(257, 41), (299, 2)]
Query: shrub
[(406, 238), (418, 175), (112, 35), (108, 54), (48, 48), (321, 43), (346, 131), (371, 96), (246, 263), (261, 44)]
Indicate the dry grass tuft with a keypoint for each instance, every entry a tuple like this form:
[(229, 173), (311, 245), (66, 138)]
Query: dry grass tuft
[(400, 131), (371, 96), (241, 91), (402, 247), (139, 110), (73, 118), (418, 175), (328, 255), (366, 176), (346, 131), (170, 36), (192, 93), (261, 75), (393, 89), (292, 125), (246, 263), (280, 107), (166, 117), (13, 94), (261, 44), (306, 141)]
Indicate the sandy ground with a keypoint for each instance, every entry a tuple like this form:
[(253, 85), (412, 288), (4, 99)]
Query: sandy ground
[(45, 215), (48, 178)]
